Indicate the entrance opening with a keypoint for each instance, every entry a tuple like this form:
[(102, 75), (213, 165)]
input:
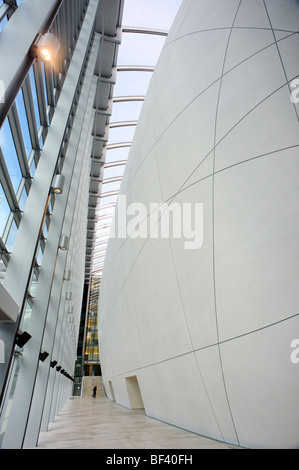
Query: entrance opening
[(135, 398), (111, 390)]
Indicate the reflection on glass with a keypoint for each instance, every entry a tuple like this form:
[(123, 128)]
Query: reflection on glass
[(91, 345), (16, 367), (40, 255), (33, 284), (26, 317), (2, 270), (41, 142), (45, 229)]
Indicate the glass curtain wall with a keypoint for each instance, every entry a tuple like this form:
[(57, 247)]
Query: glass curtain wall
[(22, 139), (91, 355)]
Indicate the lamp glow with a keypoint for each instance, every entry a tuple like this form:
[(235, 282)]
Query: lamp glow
[(57, 184), (46, 47), (45, 54)]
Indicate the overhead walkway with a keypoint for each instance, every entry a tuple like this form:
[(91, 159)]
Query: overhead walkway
[(97, 423)]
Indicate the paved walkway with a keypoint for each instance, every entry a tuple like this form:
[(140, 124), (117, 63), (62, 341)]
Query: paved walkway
[(98, 423)]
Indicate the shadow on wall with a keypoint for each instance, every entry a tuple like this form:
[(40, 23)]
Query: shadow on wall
[(133, 389)]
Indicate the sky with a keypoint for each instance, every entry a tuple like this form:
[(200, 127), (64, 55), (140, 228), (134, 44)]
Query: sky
[(135, 49)]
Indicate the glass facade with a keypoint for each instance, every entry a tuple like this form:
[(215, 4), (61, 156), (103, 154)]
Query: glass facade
[(91, 353), (46, 132), (24, 131)]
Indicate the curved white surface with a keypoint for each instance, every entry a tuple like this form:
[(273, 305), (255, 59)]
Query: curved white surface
[(207, 332)]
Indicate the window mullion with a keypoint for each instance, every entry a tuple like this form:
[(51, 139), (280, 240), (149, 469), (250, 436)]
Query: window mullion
[(40, 93), (29, 106), (7, 184), (4, 9), (10, 196)]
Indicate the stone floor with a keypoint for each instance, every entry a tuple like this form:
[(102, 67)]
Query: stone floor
[(98, 423)]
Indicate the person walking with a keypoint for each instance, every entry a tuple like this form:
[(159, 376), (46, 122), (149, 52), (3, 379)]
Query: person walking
[(94, 391)]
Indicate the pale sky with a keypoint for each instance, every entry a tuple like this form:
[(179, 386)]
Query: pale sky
[(135, 49)]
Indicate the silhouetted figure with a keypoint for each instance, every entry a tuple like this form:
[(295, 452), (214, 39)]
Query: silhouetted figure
[(94, 391)]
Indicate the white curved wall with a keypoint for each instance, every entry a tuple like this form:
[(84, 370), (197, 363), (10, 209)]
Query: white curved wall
[(207, 332)]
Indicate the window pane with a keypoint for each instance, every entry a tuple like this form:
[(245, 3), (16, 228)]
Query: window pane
[(41, 142), (44, 83), (26, 317), (11, 236), (23, 199), (128, 111), (23, 123), (3, 23), (4, 211), (133, 47), (32, 290), (112, 186), (116, 155), (132, 83), (34, 95), (114, 171), (32, 168), (10, 155), (40, 255), (121, 134)]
